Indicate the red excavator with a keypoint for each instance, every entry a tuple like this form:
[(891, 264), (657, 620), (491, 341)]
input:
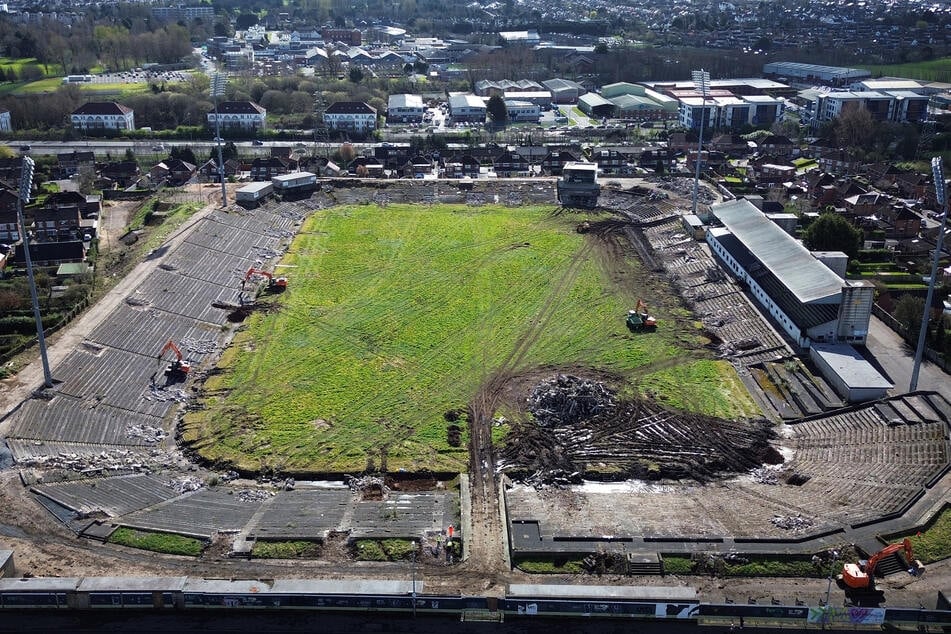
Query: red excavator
[(862, 577), (179, 367), (273, 283)]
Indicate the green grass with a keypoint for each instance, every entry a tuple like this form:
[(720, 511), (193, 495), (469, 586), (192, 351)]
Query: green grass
[(51, 84), (396, 315), (157, 542), (541, 566), (676, 565), (715, 390), (933, 70), (285, 550), (934, 543), (757, 567), (384, 549)]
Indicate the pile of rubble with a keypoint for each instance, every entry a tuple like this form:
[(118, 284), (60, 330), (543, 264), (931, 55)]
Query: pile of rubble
[(199, 346), (185, 484), (253, 495), (147, 433), (368, 486), (765, 475), (791, 522), (583, 430), (568, 400), (163, 394), (104, 461)]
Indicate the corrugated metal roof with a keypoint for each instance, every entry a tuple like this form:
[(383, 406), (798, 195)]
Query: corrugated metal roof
[(807, 278)]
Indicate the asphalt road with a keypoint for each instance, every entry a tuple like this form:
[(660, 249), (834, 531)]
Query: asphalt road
[(896, 359)]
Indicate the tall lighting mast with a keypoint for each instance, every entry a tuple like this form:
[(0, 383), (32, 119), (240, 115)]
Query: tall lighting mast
[(23, 196), (217, 90), (941, 194), (701, 80)]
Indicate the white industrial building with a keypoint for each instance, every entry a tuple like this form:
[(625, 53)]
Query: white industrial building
[(522, 110), (466, 107), (405, 109), (809, 302)]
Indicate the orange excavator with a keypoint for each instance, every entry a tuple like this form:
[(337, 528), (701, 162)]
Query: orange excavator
[(862, 577), (273, 283), (178, 368)]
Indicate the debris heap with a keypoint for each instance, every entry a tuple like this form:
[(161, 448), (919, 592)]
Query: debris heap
[(568, 400), (581, 427)]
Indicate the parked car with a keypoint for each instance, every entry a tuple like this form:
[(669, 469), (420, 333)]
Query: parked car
[(25, 148), (257, 142)]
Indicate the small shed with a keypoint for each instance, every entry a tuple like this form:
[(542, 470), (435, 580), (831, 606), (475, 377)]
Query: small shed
[(694, 227), (851, 375), (7, 567)]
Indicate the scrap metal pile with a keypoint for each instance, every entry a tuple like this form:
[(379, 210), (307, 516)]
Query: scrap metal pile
[(582, 426)]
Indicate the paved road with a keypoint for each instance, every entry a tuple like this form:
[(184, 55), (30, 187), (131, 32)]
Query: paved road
[(896, 359)]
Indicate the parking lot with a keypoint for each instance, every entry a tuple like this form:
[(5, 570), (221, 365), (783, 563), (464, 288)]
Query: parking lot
[(140, 76)]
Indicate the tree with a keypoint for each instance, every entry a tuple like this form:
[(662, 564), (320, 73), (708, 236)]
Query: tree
[(832, 232), (908, 312), (601, 48), (356, 75), (496, 109)]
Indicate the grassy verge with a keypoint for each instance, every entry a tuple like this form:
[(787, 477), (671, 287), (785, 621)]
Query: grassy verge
[(383, 549), (934, 543), (756, 567), (157, 542), (285, 550), (541, 566)]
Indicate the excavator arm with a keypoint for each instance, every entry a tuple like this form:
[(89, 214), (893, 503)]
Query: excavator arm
[(855, 576)]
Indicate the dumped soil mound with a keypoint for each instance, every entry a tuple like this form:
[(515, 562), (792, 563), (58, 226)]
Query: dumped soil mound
[(581, 428)]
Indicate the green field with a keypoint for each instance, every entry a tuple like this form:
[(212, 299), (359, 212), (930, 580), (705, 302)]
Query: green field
[(396, 315), (932, 70)]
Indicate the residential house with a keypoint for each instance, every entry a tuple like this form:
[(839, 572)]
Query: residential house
[(365, 167), (174, 172), (866, 204), (511, 163), (100, 116), (417, 167), (10, 169), (730, 144), (392, 155), (209, 169), (52, 253), (351, 37), (57, 224), (351, 116), (778, 146), (322, 166), (9, 225), (264, 169), (614, 159), (70, 163), (901, 221), (238, 117), (556, 159), (465, 166), (659, 160), (119, 173)]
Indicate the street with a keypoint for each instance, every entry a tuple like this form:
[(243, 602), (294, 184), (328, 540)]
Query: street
[(896, 358)]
